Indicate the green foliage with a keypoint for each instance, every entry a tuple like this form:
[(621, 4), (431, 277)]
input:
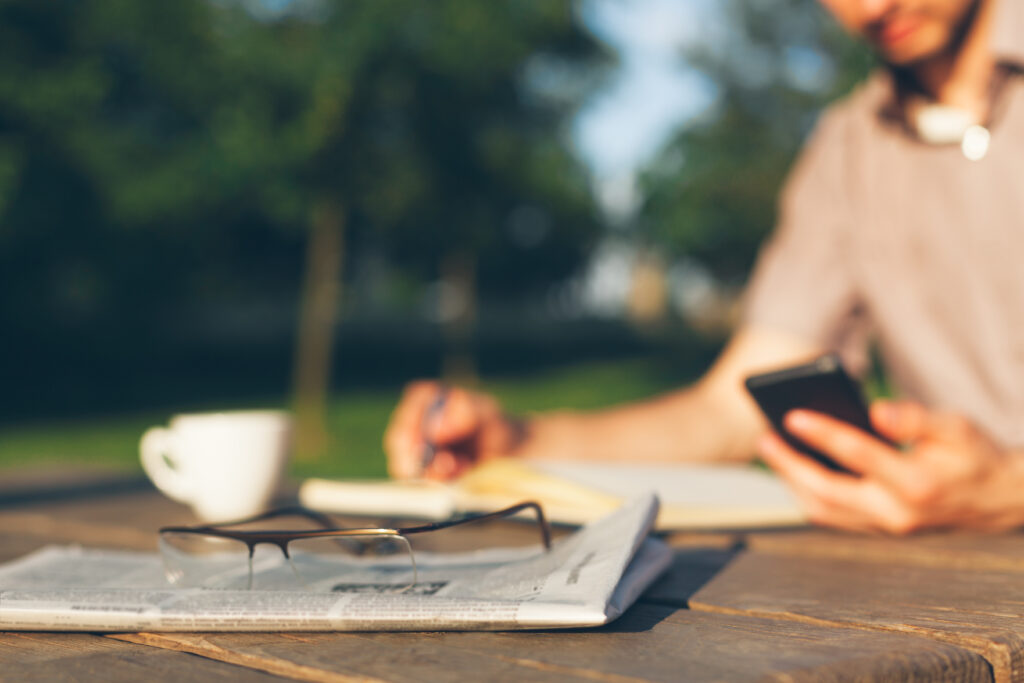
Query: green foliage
[(447, 148), (711, 196), (357, 420), (160, 160)]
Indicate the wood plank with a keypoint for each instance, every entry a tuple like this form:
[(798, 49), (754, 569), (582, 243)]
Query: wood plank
[(63, 530), (94, 498), (14, 545), (331, 657), (40, 485), (724, 540), (128, 518), (691, 568), (1002, 552), (147, 509), (82, 657), (980, 610), (649, 643)]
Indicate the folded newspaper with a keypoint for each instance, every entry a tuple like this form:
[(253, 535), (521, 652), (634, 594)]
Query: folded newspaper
[(586, 579)]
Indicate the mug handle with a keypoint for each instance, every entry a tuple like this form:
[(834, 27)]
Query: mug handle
[(155, 450)]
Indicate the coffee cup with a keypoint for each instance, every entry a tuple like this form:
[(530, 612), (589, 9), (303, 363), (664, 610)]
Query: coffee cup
[(225, 465)]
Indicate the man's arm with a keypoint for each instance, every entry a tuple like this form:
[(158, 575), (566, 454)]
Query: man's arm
[(712, 421)]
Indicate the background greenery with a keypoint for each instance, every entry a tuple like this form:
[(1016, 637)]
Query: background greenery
[(356, 418), (174, 177)]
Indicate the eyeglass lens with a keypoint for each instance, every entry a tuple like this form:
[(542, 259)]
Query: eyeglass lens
[(376, 562)]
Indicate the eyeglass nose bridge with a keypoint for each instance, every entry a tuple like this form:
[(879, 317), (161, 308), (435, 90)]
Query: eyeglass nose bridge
[(251, 545), (364, 535)]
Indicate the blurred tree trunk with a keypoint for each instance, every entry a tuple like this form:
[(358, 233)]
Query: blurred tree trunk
[(321, 299), (458, 305), (647, 301)]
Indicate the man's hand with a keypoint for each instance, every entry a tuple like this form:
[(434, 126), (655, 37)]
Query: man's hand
[(950, 475), (468, 428)]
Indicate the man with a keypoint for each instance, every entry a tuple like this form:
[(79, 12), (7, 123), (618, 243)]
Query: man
[(905, 216)]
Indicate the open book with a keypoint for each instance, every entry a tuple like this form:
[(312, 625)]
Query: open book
[(692, 496)]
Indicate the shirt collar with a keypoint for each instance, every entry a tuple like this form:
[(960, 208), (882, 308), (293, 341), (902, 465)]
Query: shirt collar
[(1007, 43), (1008, 33)]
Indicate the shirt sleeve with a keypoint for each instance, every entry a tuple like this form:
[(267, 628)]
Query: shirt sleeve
[(803, 281)]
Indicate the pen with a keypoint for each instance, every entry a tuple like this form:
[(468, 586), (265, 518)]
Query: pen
[(433, 411)]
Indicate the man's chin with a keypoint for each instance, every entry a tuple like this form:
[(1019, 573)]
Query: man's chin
[(930, 40), (905, 61), (909, 56)]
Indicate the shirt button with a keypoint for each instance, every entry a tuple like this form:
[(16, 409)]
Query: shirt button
[(975, 142)]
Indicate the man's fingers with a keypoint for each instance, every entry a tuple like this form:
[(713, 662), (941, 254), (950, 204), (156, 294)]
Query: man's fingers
[(821, 492), (801, 472), (459, 427), (449, 464), (856, 450), (404, 439), (900, 421), (444, 466), (408, 414), (459, 418), (834, 499)]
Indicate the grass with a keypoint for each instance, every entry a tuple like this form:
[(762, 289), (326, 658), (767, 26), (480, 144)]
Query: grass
[(356, 420)]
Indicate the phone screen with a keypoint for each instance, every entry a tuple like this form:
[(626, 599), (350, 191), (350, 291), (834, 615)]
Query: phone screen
[(822, 386)]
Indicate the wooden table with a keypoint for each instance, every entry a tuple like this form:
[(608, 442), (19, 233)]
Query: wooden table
[(793, 605)]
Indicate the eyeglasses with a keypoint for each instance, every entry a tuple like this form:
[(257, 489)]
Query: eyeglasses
[(225, 556)]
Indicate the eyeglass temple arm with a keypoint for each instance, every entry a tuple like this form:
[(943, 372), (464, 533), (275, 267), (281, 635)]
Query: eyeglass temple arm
[(326, 523), (542, 522)]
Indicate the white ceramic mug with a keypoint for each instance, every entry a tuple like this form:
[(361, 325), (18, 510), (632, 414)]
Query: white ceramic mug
[(226, 465)]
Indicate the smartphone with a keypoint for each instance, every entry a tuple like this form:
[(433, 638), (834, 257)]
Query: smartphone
[(822, 386)]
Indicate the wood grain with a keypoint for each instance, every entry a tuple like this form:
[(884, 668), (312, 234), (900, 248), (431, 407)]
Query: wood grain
[(127, 520), (1002, 552), (650, 643), (60, 657), (36, 486), (60, 529), (976, 609), (703, 539), (14, 545), (343, 657)]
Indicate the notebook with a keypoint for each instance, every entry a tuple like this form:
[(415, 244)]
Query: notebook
[(692, 496)]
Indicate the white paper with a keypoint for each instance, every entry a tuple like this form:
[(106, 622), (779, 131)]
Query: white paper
[(586, 579), (728, 486)]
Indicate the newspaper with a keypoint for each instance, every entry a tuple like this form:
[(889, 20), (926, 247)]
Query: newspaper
[(587, 579)]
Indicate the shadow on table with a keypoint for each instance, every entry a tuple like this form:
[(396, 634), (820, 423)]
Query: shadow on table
[(691, 568)]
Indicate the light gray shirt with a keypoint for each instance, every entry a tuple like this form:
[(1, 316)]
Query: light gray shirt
[(879, 231)]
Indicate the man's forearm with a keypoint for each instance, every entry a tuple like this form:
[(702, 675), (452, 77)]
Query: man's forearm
[(712, 421), (684, 426)]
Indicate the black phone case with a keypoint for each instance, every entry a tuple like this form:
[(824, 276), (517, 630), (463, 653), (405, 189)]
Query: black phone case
[(822, 386)]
